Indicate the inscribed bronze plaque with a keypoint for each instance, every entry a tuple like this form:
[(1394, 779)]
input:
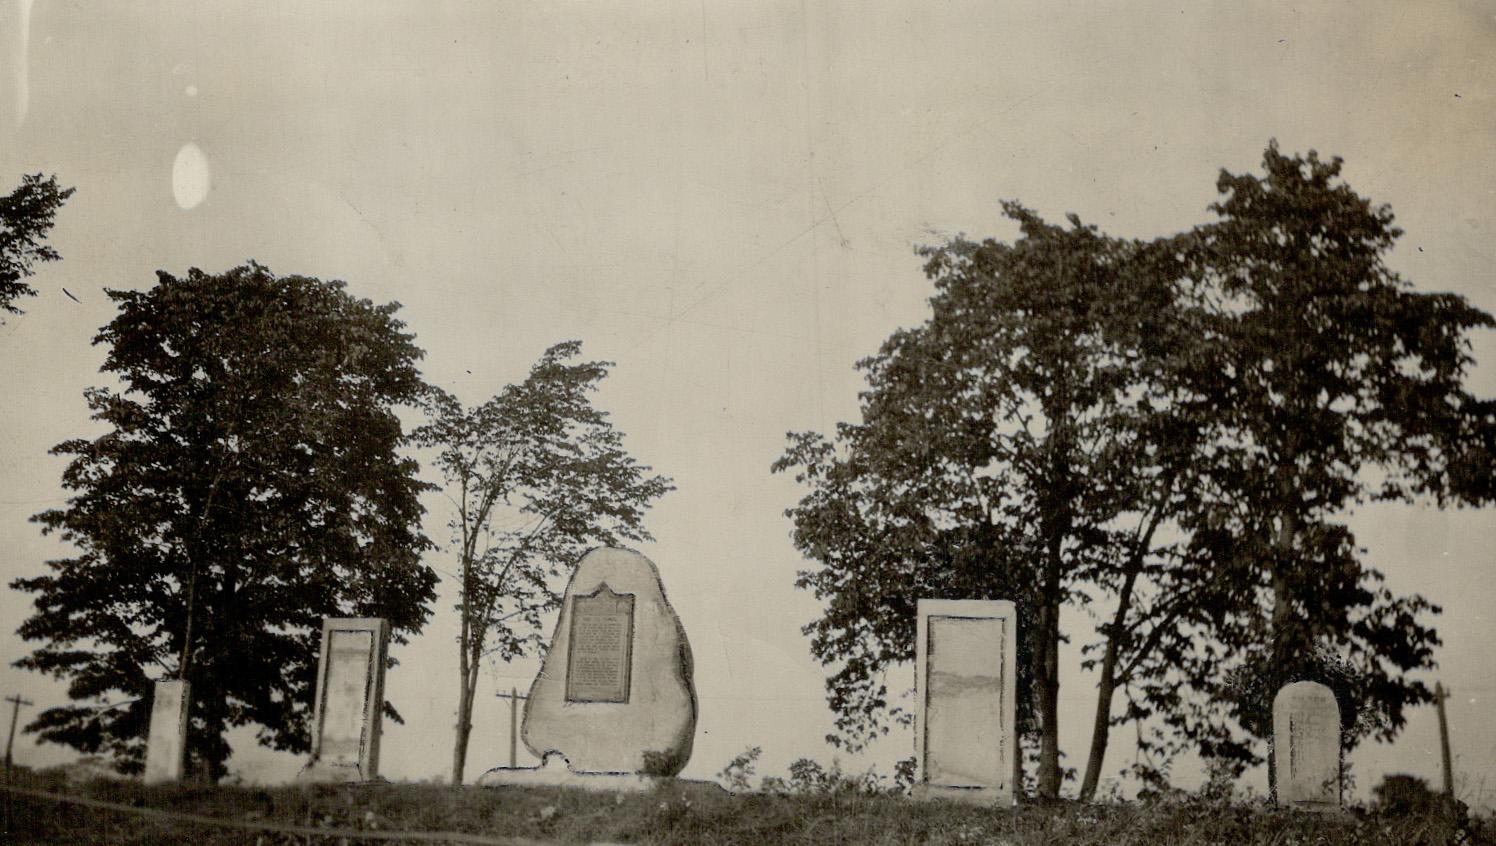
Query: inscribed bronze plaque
[(600, 648)]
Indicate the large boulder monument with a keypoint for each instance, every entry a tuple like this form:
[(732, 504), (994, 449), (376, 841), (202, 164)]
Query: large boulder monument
[(615, 695)]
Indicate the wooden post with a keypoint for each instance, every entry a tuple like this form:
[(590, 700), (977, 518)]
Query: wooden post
[(1440, 694), (514, 697), (16, 703), (14, 712)]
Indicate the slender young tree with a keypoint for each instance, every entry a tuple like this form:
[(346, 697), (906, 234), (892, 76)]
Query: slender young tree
[(537, 476), (249, 483), (26, 216)]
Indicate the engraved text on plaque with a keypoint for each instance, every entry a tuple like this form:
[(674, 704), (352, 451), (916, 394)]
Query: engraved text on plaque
[(601, 647)]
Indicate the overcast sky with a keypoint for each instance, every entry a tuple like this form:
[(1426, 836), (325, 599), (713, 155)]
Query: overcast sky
[(722, 198)]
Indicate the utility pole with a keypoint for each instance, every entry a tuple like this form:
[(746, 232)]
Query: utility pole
[(1440, 694), (514, 698), (16, 703)]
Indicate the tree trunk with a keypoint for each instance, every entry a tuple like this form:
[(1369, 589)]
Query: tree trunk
[(1279, 647), (471, 661), (206, 754), (1047, 659), (1101, 727), (464, 729), (1046, 700), (1038, 650), (207, 762), (1105, 688), (464, 693), (1281, 611), (1017, 765), (1049, 751)]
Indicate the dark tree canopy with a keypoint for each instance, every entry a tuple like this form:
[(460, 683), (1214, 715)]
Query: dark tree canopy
[(26, 216), (250, 467), (1330, 383), (1178, 428)]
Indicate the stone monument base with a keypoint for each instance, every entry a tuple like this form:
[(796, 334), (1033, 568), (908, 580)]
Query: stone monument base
[(554, 772), (992, 797)]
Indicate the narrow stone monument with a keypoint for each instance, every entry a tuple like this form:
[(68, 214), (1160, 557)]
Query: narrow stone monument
[(965, 686), (166, 744), (346, 718), (1306, 746), (616, 685)]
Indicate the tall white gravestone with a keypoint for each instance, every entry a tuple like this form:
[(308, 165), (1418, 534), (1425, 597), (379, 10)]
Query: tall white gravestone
[(965, 685), (346, 718), (166, 745), (1306, 746)]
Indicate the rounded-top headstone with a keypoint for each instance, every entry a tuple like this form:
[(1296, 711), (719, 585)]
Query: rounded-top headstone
[(616, 683), (1306, 746)]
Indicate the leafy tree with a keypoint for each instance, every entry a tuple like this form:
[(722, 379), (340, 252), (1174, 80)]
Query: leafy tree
[(538, 476), (26, 215), (1329, 383), (1176, 427), (1003, 449), (248, 486)]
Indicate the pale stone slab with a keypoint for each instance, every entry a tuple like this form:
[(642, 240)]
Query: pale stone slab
[(166, 745), (347, 716), (617, 679), (966, 712), (1306, 746)]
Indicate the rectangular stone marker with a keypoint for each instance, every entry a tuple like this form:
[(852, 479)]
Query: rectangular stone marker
[(965, 686), (166, 745), (347, 715), (600, 649), (1306, 746)]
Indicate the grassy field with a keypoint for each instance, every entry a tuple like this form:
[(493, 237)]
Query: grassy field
[(688, 814)]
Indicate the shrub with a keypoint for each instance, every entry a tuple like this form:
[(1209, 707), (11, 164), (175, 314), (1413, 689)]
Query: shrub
[(1403, 795), (662, 764), (738, 773)]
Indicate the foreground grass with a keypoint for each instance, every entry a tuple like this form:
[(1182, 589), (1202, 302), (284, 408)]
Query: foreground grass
[(693, 814)]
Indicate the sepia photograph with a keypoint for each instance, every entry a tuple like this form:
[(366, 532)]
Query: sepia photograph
[(686, 422)]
